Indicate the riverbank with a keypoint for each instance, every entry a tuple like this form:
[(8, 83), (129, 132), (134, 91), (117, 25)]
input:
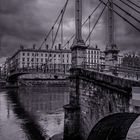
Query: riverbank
[(44, 82), (2, 84)]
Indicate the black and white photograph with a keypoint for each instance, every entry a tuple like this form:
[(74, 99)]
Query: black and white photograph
[(69, 69)]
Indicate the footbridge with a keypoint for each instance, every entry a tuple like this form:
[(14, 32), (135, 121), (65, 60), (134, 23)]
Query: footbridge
[(100, 96), (53, 69)]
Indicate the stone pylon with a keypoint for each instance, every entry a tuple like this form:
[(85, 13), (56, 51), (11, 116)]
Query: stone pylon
[(72, 110), (111, 52), (78, 48)]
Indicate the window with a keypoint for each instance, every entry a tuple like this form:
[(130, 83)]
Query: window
[(42, 54), (27, 59), (23, 59), (46, 55), (54, 55), (50, 55), (23, 54), (41, 59), (32, 54), (28, 54)]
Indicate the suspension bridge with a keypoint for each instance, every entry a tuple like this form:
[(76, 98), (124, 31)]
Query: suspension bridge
[(100, 96), (56, 34)]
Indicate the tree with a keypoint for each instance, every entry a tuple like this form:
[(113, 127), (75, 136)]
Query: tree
[(131, 60)]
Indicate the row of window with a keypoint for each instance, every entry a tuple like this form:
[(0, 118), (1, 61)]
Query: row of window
[(46, 55), (42, 60), (93, 52), (93, 61)]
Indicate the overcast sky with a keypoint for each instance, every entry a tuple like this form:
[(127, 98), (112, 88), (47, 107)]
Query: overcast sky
[(27, 21)]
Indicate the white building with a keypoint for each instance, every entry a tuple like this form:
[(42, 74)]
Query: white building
[(102, 58), (34, 58), (120, 59), (92, 56), (30, 58)]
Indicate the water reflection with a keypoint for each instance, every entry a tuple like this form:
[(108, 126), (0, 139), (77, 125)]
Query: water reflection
[(37, 111)]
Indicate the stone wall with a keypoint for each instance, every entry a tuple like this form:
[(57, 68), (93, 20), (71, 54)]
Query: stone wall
[(97, 95), (101, 95)]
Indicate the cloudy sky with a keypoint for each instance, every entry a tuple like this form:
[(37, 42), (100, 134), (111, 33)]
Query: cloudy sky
[(27, 21)]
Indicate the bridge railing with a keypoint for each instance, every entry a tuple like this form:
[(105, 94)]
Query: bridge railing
[(117, 70), (50, 68)]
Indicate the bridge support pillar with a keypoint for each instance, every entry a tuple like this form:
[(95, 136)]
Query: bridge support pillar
[(12, 83), (72, 111), (71, 127)]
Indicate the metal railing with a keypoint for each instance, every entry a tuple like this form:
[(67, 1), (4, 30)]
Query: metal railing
[(117, 70), (50, 68)]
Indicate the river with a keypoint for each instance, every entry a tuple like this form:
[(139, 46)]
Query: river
[(32, 113)]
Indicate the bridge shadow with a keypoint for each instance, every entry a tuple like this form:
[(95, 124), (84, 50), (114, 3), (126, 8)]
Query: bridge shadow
[(113, 127), (28, 124)]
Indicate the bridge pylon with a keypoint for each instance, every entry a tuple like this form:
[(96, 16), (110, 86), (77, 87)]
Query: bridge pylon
[(78, 48), (111, 52), (72, 111)]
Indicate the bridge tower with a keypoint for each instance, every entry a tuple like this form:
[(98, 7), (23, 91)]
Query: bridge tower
[(78, 48), (72, 110), (111, 52)]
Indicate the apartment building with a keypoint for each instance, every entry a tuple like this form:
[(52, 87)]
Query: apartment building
[(93, 55), (32, 58)]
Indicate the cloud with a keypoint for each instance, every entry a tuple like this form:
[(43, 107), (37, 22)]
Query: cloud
[(28, 21)]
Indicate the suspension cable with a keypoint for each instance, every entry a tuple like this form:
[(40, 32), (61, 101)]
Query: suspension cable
[(127, 12), (130, 6), (134, 4), (62, 32), (63, 12), (92, 13), (83, 23), (53, 25), (96, 22), (52, 28), (121, 17), (52, 34), (89, 31)]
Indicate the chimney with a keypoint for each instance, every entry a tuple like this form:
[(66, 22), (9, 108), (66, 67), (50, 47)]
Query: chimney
[(55, 47), (59, 46), (96, 46), (21, 47), (34, 45), (47, 46)]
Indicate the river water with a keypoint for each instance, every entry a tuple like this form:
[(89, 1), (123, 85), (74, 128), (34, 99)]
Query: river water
[(32, 113)]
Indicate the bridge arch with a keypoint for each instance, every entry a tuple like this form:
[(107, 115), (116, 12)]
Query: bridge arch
[(113, 127)]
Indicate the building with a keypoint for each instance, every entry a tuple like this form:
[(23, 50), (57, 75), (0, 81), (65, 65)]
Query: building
[(36, 59), (120, 59), (4, 68), (102, 58), (93, 56), (31, 58)]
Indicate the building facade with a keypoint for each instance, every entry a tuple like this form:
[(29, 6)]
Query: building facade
[(38, 59), (93, 56), (33, 58)]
